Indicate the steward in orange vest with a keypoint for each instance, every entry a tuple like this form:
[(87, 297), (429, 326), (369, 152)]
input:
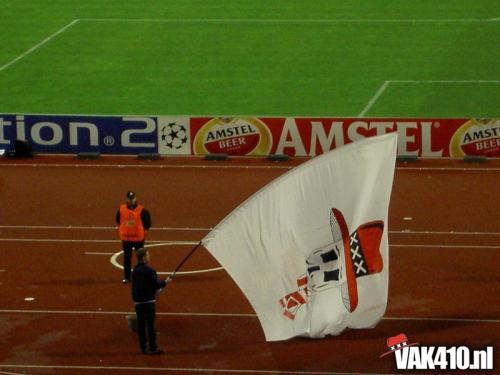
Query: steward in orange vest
[(133, 221), (130, 226)]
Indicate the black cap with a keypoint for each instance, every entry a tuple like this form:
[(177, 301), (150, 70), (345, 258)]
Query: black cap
[(130, 195)]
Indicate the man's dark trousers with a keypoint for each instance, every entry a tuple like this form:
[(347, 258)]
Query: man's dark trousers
[(146, 323), (128, 247)]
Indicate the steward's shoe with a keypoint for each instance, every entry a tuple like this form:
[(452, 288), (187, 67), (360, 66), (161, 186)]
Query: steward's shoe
[(125, 281)]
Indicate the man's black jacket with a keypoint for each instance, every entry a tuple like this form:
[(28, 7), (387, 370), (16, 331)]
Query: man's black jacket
[(145, 283)]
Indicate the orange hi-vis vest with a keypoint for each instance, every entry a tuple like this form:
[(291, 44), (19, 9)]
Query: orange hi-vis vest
[(131, 228)]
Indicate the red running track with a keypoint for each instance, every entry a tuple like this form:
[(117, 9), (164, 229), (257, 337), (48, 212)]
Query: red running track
[(57, 235)]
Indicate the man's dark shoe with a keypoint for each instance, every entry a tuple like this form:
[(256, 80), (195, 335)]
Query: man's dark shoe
[(125, 281), (157, 352)]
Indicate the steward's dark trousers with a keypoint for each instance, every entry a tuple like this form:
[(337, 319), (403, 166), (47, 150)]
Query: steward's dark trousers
[(146, 322), (127, 256)]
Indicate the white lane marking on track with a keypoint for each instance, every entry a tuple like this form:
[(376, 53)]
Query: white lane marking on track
[(430, 319), (451, 233), (233, 315), (70, 241), (421, 169), (159, 243), (49, 38), (448, 246), (11, 373), (75, 227), (13, 239), (144, 166), (184, 369), (100, 312), (70, 227)]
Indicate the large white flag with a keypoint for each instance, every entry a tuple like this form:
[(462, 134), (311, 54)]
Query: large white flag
[(310, 249)]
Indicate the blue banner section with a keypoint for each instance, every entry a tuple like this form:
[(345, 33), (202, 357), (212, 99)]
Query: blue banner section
[(75, 134)]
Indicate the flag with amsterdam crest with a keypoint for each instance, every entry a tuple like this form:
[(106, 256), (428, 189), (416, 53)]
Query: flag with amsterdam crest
[(310, 250)]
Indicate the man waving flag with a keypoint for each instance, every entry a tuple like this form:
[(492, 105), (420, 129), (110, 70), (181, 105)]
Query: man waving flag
[(310, 249)]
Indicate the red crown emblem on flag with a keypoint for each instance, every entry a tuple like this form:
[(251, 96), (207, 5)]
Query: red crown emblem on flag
[(398, 342), (339, 264), (360, 256)]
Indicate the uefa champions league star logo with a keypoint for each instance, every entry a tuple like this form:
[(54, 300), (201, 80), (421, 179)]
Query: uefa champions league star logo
[(174, 136)]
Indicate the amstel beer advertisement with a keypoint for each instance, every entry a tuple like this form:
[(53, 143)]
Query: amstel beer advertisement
[(245, 135)]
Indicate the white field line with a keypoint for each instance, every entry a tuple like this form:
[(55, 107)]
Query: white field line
[(445, 81), (374, 98), (292, 20), (229, 315), (181, 369), (203, 229), (46, 40), (384, 86)]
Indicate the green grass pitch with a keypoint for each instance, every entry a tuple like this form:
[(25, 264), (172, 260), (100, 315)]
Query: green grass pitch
[(373, 58)]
